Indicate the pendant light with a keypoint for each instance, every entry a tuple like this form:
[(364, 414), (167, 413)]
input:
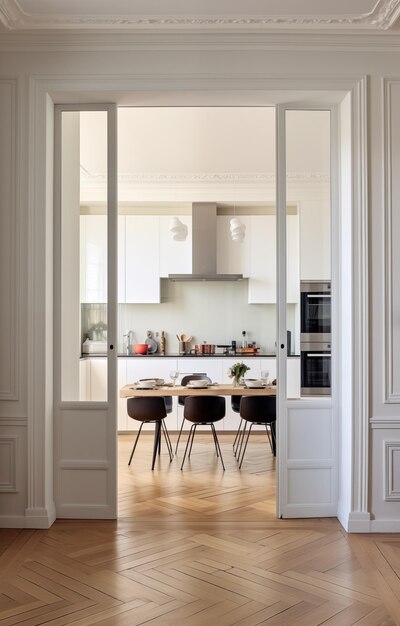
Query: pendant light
[(238, 229), (178, 229)]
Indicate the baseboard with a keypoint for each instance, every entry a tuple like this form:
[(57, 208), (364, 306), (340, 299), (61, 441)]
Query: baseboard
[(40, 518), (359, 522), (385, 526), (12, 521)]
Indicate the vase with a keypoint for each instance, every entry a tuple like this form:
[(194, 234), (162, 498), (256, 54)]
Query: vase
[(236, 381)]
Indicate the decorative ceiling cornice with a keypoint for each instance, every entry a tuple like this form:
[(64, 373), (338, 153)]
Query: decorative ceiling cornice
[(88, 179), (382, 17)]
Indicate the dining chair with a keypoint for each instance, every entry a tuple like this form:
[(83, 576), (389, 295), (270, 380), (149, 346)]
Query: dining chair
[(203, 411), (260, 410), (150, 411), (181, 399)]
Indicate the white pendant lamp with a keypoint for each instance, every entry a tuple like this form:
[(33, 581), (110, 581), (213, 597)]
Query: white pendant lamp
[(238, 229), (178, 229)]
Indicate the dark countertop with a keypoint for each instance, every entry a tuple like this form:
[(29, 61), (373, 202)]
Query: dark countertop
[(191, 356)]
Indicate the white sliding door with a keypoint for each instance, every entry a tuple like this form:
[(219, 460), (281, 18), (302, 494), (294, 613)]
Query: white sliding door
[(85, 288), (307, 424)]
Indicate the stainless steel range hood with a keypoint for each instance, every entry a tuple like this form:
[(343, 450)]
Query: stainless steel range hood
[(204, 246)]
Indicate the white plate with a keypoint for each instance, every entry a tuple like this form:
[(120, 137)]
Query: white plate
[(189, 386)]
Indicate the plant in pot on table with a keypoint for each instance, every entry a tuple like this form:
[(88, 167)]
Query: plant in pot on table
[(237, 371)]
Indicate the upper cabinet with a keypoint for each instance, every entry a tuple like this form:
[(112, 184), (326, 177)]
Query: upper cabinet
[(175, 256), (262, 281), (232, 257), (93, 258), (142, 254), (315, 230)]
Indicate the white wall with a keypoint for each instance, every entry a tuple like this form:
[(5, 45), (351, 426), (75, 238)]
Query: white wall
[(143, 67)]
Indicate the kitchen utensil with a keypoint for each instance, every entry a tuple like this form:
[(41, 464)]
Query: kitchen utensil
[(152, 343), (141, 348)]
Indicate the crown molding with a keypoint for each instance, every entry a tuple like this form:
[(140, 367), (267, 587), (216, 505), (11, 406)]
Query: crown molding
[(382, 17), (43, 41)]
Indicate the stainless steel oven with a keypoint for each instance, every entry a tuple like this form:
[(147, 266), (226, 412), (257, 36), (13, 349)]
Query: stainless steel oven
[(315, 369), (315, 315)]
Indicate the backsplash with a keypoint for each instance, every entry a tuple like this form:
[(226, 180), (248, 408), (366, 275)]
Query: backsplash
[(212, 312)]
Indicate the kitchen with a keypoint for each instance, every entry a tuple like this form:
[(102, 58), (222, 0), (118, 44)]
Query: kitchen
[(150, 297)]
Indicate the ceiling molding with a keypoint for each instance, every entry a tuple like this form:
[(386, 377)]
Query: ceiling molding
[(382, 17)]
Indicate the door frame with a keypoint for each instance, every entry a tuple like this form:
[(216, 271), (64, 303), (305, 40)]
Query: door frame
[(44, 93)]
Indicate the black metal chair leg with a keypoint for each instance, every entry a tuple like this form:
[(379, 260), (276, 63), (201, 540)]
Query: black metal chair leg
[(167, 439), (159, 444), (245, 447), (135, 444), (273, 437), (157, 437), (237, 437), (215, 441), (241, 441), (269, 438), (187, 445), (179, 436), (191, 443), (219, 447)]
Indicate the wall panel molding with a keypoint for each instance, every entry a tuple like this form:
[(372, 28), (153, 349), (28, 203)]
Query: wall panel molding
[(391, 459), (8, 464), (391, 149), (9, 241)]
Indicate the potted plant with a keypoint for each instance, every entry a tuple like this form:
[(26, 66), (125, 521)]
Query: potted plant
[(236, 372)]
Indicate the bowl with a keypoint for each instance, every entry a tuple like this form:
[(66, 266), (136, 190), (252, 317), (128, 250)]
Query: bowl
[(198, 383), (146, 384), (254, 383), (140, 348)]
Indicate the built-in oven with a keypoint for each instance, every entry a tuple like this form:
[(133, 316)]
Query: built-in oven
[(315, 312), (315, 369)]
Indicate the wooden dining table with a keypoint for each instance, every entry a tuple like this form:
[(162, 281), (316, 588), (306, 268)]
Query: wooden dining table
[(133, 391)]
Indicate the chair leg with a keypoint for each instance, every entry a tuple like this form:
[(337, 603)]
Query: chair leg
[(215, 441), (273, 437), (237, 437), (191, 443), (269, 438), (187, 445), (159, 445), (135, 444), (157, 437), (179, 436), (244, 450), (242, 436), (167, 439), (217, 444)]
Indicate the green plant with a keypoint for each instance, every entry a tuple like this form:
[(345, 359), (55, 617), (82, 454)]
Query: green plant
[(238, 370)]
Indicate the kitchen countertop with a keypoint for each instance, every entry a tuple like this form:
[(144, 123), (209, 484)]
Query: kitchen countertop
[(190, 356)]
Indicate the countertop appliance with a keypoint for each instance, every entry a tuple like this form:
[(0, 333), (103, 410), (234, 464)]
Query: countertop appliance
[(315, 338)]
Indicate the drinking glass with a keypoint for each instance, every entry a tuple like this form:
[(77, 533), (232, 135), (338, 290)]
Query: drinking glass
[(174, 375), (264, 376)]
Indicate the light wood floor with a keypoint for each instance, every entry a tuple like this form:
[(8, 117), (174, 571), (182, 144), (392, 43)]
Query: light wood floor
[(204, 549)]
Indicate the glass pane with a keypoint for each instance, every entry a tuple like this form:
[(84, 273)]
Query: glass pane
[(308, 258), (84, 256)]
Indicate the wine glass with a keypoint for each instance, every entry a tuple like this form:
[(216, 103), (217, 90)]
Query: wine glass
[(264, 376), (174, 375)]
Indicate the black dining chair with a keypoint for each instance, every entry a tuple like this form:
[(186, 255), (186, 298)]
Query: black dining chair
[(260, 410), (181, 399), (168, 408), (150, 411), (203, 411)]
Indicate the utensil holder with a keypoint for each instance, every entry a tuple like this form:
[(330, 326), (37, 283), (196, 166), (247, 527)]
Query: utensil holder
[(182, 347)]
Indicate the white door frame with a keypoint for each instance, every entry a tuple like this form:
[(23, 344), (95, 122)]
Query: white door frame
[(43, 93)]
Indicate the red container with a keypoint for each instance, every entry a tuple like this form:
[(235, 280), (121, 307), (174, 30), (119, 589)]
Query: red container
[(140, 348)]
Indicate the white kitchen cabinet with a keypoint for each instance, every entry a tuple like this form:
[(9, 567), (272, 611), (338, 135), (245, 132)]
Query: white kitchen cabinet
[(233, 257), (262, 281), (93, 258), (175, 256), (142, 253), (98, 379), (84, 379), (93, 261), (151, 367), (315, 238)]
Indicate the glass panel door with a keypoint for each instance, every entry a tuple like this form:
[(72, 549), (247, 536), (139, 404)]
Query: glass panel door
[(306, 416), (85, 285)]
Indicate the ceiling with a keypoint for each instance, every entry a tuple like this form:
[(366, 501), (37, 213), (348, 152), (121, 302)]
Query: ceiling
[(201, 16)]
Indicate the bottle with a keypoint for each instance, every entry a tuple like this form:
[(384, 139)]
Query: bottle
[(244, 341), (162, 342)]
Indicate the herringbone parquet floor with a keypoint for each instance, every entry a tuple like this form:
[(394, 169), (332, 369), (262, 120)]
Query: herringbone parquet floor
[(190, 559)]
